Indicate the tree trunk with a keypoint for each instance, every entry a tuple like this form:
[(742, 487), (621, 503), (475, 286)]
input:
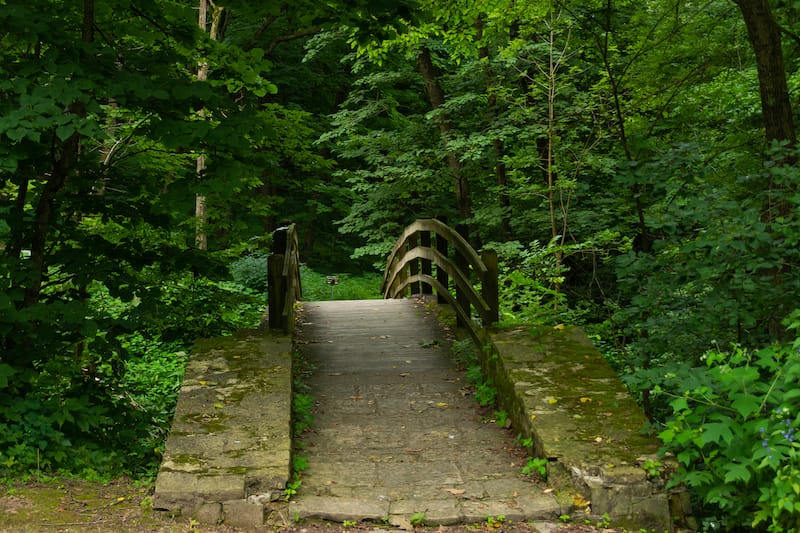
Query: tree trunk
[(436, 99), (63, 159), (201, 238), (765, 36)]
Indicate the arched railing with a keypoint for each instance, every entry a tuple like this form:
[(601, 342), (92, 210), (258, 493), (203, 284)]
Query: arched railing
[(284, 278), (429, 243)]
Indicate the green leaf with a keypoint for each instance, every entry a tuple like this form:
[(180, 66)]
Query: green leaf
[(65, 132), (667, 436), (737, 472), (746, 405), (716, 432), (679, 404), (6, 371)]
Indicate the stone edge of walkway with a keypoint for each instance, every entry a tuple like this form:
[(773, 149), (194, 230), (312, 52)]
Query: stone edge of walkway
[(559, 390), (234, 403)]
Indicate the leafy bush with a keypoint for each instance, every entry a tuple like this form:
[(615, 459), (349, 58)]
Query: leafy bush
[(734, 433), (251, 272), (188, 308), (98, 401), (529, 282)]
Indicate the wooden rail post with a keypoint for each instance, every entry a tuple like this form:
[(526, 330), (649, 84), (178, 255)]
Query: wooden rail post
[(413, 267), (463, 264), (441, 273), (276, 284), (489, 286), (427, 270)]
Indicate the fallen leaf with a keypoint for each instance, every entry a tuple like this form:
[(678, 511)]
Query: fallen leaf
[(441, 404), (203, 382), (533, 417), (552, 401), (598, 440), (356, 397), (585, 399), (580, 501), (559, 326), (218, 406)]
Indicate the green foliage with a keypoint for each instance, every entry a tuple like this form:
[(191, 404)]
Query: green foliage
[(191, 308), (363, 286), (251, 272), (418, 519), (95, 422), (535, 465), (485, 393), (302, 415), (529, 282), (734, 433), (291, 489), (103, 407)]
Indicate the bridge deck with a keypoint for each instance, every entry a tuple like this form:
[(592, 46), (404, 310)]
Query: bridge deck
[(395, 431)]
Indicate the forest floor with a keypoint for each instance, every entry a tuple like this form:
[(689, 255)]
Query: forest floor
[(77, 506)]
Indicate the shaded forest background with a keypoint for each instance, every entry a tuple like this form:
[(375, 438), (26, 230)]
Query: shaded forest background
[(634, 164)]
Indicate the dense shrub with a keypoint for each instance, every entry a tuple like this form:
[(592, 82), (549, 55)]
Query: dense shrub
[(101, 405), (735, 434), (251, 271)]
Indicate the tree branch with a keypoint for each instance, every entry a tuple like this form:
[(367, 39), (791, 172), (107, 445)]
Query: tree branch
[(290, 37)]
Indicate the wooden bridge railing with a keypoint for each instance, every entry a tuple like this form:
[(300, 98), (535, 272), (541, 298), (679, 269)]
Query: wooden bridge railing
[(429, 242), (284, 278)]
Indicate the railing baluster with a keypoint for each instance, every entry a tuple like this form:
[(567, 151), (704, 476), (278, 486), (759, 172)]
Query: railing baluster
[(463, 264), (425, 242), (413, 266), (441, 273)]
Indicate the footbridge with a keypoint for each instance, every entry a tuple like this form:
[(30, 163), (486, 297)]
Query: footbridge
[(397, 437)]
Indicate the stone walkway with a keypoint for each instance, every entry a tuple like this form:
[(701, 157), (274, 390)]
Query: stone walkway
[(396, 433)]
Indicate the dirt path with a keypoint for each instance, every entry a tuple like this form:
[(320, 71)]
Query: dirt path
[(75, 506)]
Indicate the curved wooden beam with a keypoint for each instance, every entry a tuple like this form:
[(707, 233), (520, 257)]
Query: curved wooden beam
[(441, 261), (453, 237)]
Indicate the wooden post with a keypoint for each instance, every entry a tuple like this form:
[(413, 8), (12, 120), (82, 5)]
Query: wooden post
[(463, 264), (441, 274), (413, 267), (425, 241), (490, 289), (276, 283), (276, 288)]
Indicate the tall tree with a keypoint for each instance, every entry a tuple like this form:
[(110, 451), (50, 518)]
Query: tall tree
[(765, 36)]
